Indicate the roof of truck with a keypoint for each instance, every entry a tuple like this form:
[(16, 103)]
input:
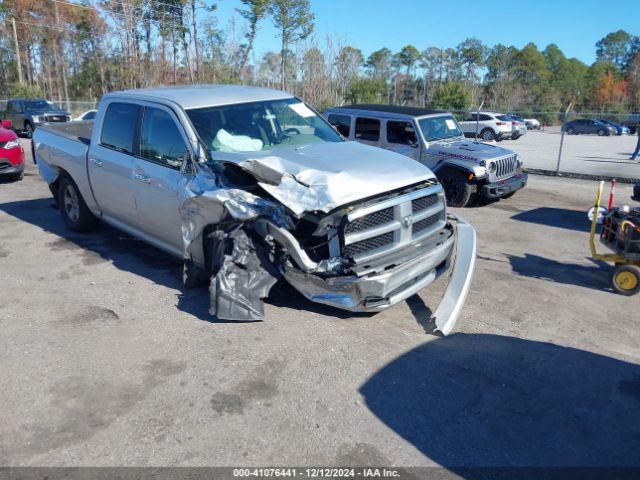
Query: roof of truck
[(196, 96), (396, 109)]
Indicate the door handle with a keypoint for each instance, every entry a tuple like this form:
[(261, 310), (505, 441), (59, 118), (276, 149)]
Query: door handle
[(96, 161), (142, 178)]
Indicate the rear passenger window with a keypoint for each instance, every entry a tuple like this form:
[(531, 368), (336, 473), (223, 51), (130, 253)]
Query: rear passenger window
[(485, 118), (342, 123), (161, 141), (367, 129), (401, 132), (119, 126)]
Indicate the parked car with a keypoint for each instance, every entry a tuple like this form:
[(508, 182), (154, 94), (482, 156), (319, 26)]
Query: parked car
[(588, 126), (632, 121), (28, 113), (11, 153), (435, 139), (532, 124), (88, 115), (250, 185), (490, 127), (518, 128), (620, 129)]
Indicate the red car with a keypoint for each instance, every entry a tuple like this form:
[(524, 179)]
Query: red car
[(11, 153)]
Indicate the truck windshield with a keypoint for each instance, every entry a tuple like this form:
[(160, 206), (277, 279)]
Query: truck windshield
[(256, 126), (39, 105), (439, 128)]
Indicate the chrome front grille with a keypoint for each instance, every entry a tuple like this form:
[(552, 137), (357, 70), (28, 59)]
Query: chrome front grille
[(380, 229), (55, 118), (505, 167), (369, 221)]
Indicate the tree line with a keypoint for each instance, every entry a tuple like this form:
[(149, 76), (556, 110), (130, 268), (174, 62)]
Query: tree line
[(80, 50)]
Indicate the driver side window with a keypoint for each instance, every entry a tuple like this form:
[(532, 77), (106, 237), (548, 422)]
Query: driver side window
[(401, 133), (160, 140)]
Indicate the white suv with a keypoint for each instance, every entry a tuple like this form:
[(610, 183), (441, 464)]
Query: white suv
[(490, 127)]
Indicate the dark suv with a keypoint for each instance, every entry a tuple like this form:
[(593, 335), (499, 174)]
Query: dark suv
[(28, 113)]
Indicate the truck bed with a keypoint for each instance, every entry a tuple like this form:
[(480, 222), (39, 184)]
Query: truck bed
[(79, 131), (64, 147)]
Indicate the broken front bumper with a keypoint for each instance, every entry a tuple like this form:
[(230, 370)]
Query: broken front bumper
[(379, 291)]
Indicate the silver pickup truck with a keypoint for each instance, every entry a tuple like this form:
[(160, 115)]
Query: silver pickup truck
[(465, 168), (249, 185)]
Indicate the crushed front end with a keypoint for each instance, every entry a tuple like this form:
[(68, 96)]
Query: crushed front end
[(365, 256)]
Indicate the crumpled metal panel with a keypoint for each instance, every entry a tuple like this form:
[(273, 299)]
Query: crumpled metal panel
[(322, 177), (243, 280), (204, 201)]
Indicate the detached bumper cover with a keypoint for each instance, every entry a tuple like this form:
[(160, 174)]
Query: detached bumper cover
[(377, 292), (505, 187)]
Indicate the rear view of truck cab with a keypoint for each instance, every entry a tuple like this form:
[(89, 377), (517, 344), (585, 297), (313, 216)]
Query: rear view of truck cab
[(249, 185)]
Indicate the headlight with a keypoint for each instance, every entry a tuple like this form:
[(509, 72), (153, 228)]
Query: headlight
[(36, 118), (11, 144), (492, 167)]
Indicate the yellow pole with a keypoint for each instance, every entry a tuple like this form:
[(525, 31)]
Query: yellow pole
[(594, 222)]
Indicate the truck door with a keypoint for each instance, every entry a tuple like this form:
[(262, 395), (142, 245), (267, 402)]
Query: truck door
[(401, 138), (163, 149), (367, 130), (111, 161), (12, 113)]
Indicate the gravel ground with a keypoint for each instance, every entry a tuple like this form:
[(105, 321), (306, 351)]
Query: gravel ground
[(582, 154), (104, 360)]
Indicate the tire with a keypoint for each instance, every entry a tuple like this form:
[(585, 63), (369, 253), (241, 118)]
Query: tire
[(74, 210), (515, 137), (16, 177), (28, 130), (601, 132), (508, 195), (571, 131), (625, 279), (487, 135), (457, 189)]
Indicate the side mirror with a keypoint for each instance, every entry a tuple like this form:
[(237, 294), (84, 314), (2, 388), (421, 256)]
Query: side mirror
[(7, 123)]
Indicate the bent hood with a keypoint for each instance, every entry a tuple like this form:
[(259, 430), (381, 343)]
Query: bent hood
[(324, 176), (469, 150)]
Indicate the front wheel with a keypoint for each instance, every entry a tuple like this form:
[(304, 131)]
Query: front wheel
[(28, 130), (601, 133), (457, 189), (74, 210), (487, 135), (625, 279)]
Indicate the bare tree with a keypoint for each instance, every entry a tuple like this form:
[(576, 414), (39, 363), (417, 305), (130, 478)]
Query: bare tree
[(294, 21)]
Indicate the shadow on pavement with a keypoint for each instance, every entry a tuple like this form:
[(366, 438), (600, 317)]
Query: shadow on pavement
[(136, 256), (556, 217), (594, 276), (107, 243), (494, 401)]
